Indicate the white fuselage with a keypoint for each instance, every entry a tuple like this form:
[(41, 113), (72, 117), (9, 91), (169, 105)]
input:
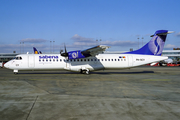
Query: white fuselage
[(101, 61)]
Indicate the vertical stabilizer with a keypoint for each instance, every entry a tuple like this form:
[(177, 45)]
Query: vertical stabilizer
[(154, 46), (35, 51)]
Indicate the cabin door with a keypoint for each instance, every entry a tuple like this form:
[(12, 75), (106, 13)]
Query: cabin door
[(130, 60), (31, 61), (68, 64)]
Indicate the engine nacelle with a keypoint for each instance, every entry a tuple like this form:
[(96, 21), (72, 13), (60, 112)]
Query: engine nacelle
[(77, 55)]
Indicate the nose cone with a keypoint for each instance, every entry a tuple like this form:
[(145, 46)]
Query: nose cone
[(6, 65)]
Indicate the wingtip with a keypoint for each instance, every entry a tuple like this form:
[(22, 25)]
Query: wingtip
[(170, 32), (105, 46)]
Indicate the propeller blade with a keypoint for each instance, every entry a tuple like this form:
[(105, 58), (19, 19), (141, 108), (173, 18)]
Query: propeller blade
[(65, 48), (61, 51), (65, 54)]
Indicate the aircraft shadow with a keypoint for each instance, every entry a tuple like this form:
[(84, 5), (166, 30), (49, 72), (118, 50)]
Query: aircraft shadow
[(139, 72), (96, 72)]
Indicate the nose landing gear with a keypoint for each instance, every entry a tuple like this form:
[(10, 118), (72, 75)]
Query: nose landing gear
[(15, 72)]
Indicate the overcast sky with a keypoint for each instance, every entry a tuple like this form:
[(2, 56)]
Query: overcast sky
[(25, 24)]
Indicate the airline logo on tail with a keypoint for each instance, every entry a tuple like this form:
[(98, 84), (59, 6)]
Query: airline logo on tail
[(36, 51), (154, 46)]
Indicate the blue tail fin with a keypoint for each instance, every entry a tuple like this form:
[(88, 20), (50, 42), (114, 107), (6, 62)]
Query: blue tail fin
[(35, 51), (154, 46)]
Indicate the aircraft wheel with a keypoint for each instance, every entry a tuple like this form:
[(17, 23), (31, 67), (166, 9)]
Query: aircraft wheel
[(15, 73), (87, 72), (81, 71)]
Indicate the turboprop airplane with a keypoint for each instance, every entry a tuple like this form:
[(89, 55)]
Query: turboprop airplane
[(91, 59)]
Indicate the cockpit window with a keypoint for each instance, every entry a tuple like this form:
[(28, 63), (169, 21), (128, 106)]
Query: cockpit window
[(18, 58)]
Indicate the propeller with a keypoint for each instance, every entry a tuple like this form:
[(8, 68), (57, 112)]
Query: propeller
[(65, 54), (61, 51)]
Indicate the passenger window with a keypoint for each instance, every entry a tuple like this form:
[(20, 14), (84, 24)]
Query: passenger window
[(111, 59), (46, 60), (114, 59)]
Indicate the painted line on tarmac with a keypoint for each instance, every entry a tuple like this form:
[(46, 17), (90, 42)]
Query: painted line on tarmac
[(156, 80)]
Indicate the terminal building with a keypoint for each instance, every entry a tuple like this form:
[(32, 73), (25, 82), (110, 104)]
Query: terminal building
[(173, 54), (4, 57)]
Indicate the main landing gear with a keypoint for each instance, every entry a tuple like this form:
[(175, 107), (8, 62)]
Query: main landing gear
[(85, 71)]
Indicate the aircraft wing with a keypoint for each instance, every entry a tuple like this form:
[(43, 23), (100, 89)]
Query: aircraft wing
[(95, 50), (78, 54)]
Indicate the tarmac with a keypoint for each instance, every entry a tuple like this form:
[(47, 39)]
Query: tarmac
[(142, 93)]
